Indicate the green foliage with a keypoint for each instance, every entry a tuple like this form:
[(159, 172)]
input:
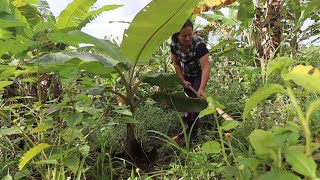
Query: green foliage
[(305, 76), (301, 163), (163, 80), (142, 38), (177, 101), (279, 175), (74, 13), (260, 95), (211, 147), (31, 153), (8, 20)]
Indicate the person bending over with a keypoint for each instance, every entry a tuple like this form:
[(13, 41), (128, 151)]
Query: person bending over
[(191, 62)]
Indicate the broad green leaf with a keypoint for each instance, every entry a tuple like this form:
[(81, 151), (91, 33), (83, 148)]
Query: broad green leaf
[(7, 73), (74, 13), (208, 110), (262, 141), (148, 30), (6, 34), (127, 119), (7, 177), (252, 163), (74, 119), (92, 63), (84, 150), (32, 153), (72, 162), (211, 108), (285, 135), (258, 96), (72, 134), (4, 84), (4, 6), (228, 125), (7, 20), (278, 64), (22, 174), (312, 107), (164, 80), (179, 101), (13, 46), (30, 12), (41, 129), (74, 38), (246, 12), (301, 163), (279, 175), (211, 147), (305, 76), (91, 15)]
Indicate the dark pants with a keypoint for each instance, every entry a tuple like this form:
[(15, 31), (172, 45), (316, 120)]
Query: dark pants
[(190, 117)]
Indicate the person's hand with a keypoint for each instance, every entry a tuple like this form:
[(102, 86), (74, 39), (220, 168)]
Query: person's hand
[(201, 93), (186, 84)]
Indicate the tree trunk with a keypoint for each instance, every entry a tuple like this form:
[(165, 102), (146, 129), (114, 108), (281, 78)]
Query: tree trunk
[(267, 32)]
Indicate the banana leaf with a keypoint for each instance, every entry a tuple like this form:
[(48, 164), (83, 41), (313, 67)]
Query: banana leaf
[(148, 29), (179, 101), (163, 80)]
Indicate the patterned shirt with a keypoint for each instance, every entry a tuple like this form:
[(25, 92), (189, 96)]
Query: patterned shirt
[(190, 60)]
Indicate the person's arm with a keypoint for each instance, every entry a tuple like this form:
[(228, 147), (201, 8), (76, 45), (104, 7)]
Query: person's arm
[(178, 69), (204, 62)]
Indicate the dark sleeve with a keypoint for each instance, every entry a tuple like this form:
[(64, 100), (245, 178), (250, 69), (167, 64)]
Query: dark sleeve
[(172, 50), (201, 50)]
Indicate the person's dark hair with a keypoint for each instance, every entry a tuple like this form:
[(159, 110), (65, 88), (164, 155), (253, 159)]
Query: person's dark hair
[(188, 23)]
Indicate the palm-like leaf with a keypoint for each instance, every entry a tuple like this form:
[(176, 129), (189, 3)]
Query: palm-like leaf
[(7, 20), (74, 13), (148, 30), (94, 14), (28, 11)]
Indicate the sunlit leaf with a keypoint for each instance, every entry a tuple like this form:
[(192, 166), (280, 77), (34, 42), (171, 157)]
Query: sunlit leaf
[(228, 125), (31, 153), (279, 175), (41, 129), (7, 20), (4, 84), (74, 38), (74, 13), (305, 76), (7, 177), (148, 30), (277, 65), (9, 131), (313, 107), (262, 141), (259, 96), (301, 163), (29, 11), (84, 150), (211, 147), (91, 15)]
